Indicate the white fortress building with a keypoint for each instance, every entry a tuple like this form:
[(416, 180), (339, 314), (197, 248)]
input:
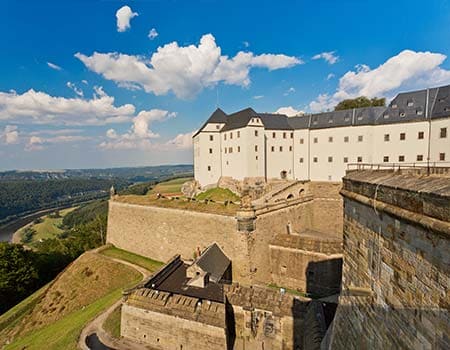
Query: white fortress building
[(414, 128)]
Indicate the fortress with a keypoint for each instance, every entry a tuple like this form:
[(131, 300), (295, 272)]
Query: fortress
[(374, 247)]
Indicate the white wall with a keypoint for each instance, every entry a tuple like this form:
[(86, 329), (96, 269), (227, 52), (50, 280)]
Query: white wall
[(279, 153)]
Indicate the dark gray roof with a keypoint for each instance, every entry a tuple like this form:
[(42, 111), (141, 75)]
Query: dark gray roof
[(213, 261), (218, 116), (405, 107)]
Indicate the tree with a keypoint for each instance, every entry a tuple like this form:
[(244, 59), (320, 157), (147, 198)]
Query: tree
[(361, 101), (18, 275)]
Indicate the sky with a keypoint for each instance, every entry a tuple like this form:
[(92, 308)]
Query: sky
[(94, 84)]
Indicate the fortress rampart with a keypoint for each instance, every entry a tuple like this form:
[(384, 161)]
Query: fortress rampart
[(160, 233)]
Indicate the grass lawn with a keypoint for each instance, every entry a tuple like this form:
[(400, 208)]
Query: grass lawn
[(112, 323), (48, 228), (146, 263), (171, 186), (288, 290), (53, 317), (218, 194)]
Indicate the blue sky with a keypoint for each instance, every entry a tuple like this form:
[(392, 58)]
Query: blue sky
[(84, 84)]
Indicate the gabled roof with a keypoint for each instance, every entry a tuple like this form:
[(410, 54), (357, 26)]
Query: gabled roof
[(239, 119), (218, 116), (213, 261)]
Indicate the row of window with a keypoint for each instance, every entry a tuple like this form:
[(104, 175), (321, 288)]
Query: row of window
[(359, 159), (420, 136)]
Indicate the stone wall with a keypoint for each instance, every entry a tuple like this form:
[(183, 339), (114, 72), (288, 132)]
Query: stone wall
[(396, 263), (164, 331)]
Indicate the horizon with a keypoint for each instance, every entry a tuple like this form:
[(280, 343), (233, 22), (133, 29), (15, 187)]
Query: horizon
[(135, 91)]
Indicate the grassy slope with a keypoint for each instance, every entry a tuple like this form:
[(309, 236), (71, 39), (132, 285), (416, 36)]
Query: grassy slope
[(53, 318), (170, 187), (136, 259), (218, 194), (112, 323), (48, 228)]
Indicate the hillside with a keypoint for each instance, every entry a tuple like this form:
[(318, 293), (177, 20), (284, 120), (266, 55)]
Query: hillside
[(53, 317)]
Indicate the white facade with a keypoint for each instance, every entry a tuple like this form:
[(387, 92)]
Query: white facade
[(320, 147)]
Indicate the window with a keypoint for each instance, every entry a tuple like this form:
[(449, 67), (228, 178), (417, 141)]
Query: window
[(231, 135), (347, 119), (386, 137), (360, 138), (272, 149), (330, 139), (315, 159), (302, 141), (292, 135), (360, 117), (301, 160), (410, 103), (402, 114), (330, 120), (315, 140), (210, 150), (284, 135), (256, 148), (345, 138), (315, 120), (394, 105), (420, 135), (256, 132), (419, 157), (386, 159), (281, 148), (330, 159), (359, 159), (225, 137), (239, 148), (230, 150), (290, 148), (256, 157), (402, 136), (217, 126), (419, 112), (442, 156), (273, 135), (443, 133), (401, 158), (239, 134), (345, 159), (211, 137), (209, 167), (226, 150)]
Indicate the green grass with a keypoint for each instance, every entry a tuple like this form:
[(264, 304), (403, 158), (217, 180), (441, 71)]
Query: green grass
[(218, 194), (64, 333), (146, 263), (171, 186), (112, 323), (288, 290), (48, 228)]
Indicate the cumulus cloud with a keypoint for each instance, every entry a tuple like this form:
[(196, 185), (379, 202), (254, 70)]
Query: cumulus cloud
[(10, 134), (183, 70), (182, 141), (35, 107), (37, 143), (152, 34), (289, 111), (329, 57), (75, 89), (406, 71), (124, 16), (53, 66), (140, 133)]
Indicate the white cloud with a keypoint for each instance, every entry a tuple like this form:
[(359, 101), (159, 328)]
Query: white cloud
[(330, 76), (85, 82), (55, 131), (53, 66), (37, 143), (291, 90), (246, 43), (406, 71), (34, 107), (258, 97), (152, 34), (182, 141), (124, 16), (75, 89), (184, 70), (329, 57), (289, 111), (140, 133), (10, 135)]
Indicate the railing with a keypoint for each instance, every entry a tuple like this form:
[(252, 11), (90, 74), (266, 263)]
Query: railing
[(431, 167)]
